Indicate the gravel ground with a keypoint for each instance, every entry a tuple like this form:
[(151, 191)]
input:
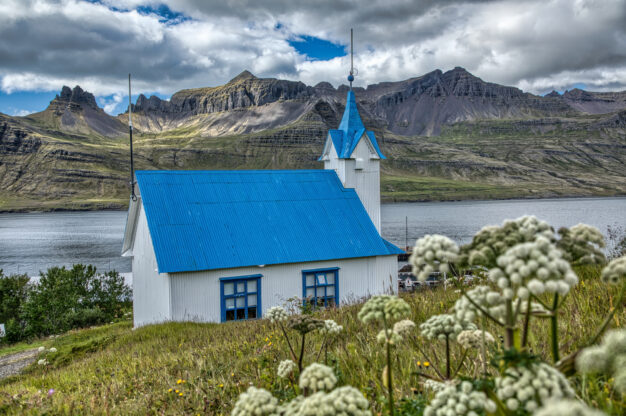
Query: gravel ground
[(14, 363)]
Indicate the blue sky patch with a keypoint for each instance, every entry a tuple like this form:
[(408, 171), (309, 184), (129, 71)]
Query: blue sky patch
[(26, 102), (167, 15), (317, 49)]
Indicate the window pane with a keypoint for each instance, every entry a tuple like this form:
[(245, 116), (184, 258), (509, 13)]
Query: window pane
[(321, 292), (251, 300), (241, 287), (330, 278), (230, 315), (321, 279), (241, 314), (252, 313), (330, 291), (251, 286), (229, 288), (310, 292), (310, 279), (241, 302), (230, 303)]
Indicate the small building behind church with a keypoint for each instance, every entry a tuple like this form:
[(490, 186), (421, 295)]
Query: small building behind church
[(217, 246)]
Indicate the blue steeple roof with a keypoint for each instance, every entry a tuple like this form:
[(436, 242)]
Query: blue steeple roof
[(350, 131)]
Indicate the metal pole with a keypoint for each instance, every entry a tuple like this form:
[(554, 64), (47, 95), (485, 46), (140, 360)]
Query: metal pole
[(130, 132), (351, 53), (406, 233)]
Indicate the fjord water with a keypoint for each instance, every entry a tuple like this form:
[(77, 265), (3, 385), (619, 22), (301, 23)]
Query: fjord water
[(31, 242)]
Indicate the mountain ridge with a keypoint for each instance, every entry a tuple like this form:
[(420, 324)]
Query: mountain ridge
[(447, 135)]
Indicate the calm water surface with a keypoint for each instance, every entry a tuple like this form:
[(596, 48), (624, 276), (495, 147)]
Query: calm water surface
[(35, 241)]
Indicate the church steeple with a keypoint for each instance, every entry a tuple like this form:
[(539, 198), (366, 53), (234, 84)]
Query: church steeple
[(353, 152)]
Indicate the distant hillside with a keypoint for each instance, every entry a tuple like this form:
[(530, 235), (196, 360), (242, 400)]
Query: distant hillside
[(448, 135)]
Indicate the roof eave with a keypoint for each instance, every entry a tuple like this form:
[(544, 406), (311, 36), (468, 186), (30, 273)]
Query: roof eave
[(134, 207)]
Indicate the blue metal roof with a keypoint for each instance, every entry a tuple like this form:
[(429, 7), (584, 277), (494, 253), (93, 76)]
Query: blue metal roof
[(204, 220), (350, 131)]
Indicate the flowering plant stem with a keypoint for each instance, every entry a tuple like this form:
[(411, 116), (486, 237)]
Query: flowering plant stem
[(322, 347), (526, 323), (509, 329), (483, 345), (554, 339), (447, 357), (301, 353), (293, 354), (389, 371)]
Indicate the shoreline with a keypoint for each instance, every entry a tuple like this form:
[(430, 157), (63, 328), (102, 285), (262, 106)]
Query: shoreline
[(384, 201)]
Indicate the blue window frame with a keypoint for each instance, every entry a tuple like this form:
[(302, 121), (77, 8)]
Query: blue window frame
[(240, 297), (320, 287)]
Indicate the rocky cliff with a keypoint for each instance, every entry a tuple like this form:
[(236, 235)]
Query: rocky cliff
[(447, 135), (76, 111)]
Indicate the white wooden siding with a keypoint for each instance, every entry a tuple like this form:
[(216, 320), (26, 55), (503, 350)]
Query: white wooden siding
[(196, 295), (365, 181), (151, 290)]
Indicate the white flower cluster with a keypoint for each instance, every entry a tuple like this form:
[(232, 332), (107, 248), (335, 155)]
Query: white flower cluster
[(493, 240), (42, 362), (381, 307), (317, 377), (581, 244), (285, 368), (434, 385), (535, 267), (615, 271), (331, 327), (607, 358), (52, 350), (483, 296), (474, 339), (528, 388), (256, 402), (291, 408), (404, 327), (276, 314), (567, 408), (41, 349), (344, 401), (432, 253), (459, 400), (390, 336), (445, 325), (531, 228)]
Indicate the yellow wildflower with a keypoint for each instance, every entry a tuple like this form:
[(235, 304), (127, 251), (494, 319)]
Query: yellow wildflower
[(170, 390), (426, 363), (180, 394), (221, 386)]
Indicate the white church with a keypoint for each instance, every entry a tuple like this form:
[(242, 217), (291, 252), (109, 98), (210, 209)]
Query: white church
[(217, 246)]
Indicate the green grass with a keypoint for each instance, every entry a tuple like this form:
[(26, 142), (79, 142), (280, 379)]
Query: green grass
[(117, 370)]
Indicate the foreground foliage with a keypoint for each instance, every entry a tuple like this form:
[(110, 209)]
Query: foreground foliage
[(62, 299), (115, 370)]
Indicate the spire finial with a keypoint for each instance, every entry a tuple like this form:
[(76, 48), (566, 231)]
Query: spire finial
[(351, 76)]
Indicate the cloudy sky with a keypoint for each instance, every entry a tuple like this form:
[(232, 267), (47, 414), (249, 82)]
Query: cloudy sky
[(536, 45)]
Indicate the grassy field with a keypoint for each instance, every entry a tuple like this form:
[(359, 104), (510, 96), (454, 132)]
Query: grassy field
[(189, 368)]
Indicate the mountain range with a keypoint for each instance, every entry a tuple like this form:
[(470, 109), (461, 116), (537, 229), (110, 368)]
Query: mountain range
[(447, 135)]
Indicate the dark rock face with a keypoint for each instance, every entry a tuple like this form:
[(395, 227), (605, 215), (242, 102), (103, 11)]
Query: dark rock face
[(76, 97)]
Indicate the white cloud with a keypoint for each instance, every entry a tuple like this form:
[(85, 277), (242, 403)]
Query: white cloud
[(111, 104), (533, 44), (18, 112)]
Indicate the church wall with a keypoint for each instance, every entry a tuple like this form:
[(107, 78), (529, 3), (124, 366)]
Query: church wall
[(151, 290), (196, 295)]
